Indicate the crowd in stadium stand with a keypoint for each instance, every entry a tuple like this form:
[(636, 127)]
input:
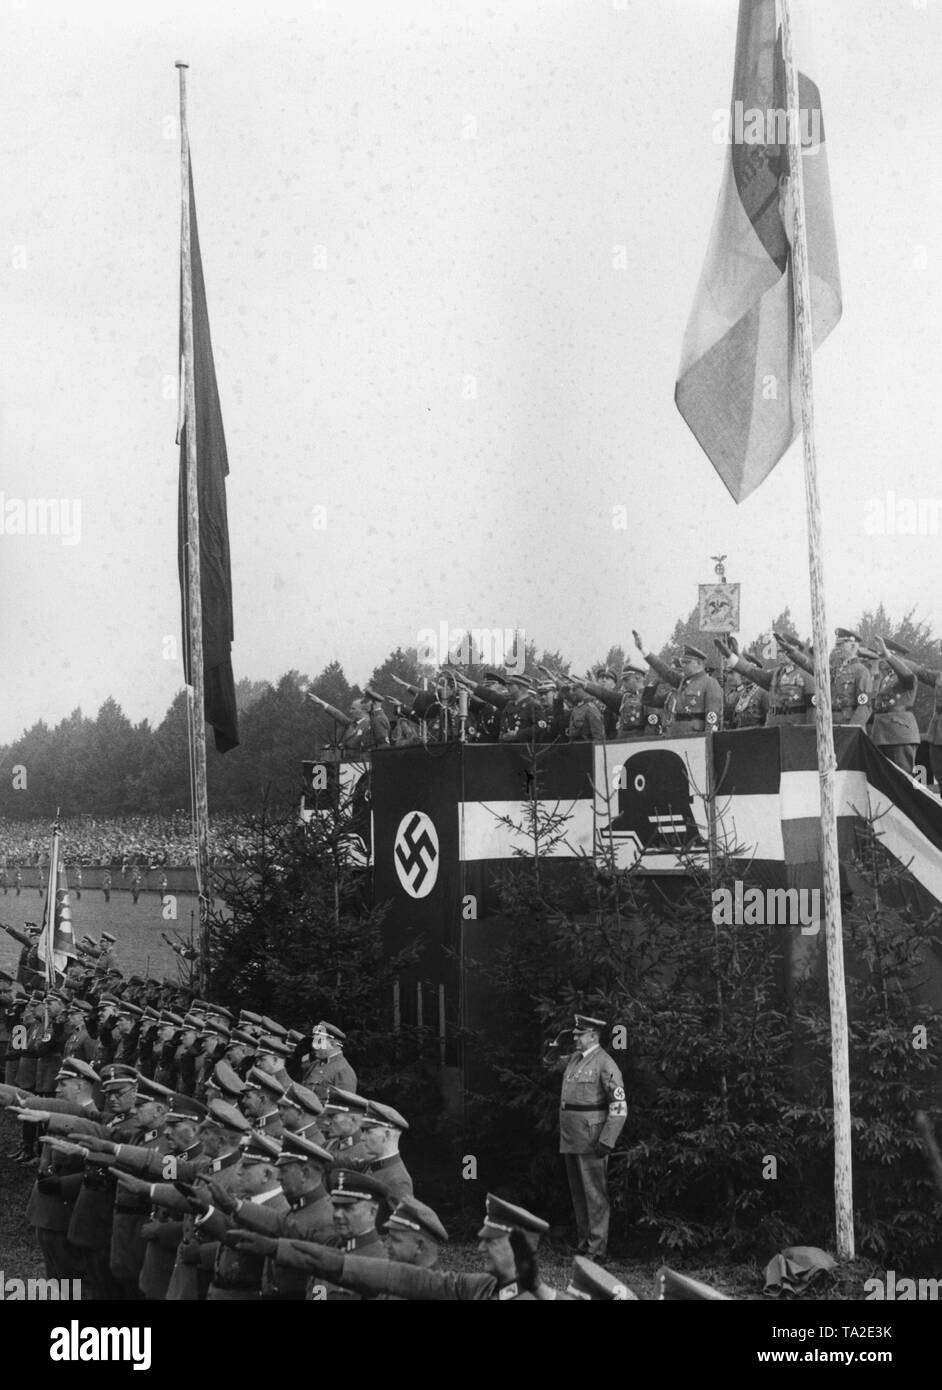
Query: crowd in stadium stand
[(146, 842)]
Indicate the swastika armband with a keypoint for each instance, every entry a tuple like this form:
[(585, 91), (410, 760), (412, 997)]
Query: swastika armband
[(862, 698), (618, 1093), (617, 1109), (711, 717)]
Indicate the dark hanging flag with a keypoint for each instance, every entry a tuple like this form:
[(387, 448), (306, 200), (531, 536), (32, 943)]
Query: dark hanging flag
[(212, 469)]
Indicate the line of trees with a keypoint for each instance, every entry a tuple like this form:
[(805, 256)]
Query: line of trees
[(108, 766)]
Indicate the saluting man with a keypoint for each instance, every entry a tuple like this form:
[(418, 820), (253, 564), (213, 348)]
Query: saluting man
[(592, 1113), (698, 707), (329, 1067), (894, 730)]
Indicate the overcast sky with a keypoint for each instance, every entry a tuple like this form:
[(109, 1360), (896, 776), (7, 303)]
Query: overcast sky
[(409, 216)]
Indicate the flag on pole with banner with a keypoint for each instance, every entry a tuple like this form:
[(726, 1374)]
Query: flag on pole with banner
[(738, 386), (57, 941), (212, 471)]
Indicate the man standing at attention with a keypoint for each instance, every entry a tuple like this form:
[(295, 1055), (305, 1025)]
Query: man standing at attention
[(591, 1115)]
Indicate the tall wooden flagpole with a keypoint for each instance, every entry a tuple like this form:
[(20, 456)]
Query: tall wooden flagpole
[(837, 995), (195, 692)]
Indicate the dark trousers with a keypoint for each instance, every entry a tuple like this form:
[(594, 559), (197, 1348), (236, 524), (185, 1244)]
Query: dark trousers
[(60, 1257), (588, 1187), (935, 762)]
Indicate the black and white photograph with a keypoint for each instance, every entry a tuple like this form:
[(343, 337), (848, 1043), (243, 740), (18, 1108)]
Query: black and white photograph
[(471, 631)]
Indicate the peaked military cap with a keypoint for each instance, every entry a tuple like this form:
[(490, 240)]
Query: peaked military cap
[(261, 1148), (296, 1149), (226, 1079), (345, 1102), (845, 634), (118, 1076), (329, 1030), (129, 1010), (601, 671), (383, 1115), (274, 1028), (214, 1030), (500, 1218), (240, 1036), (74, 1069), (867, 654), (255, 1019), (591, 1282), (631, 666), (153, 1090), (226, 1116), (496, 677), (522, 681), (272, 1047), (583, 1021), (185, 1108), (896, 647), (694, 651), (348, 1185), (414, 1215), (262, 1080), (302, 1099), (106, 936), (171, 1019)]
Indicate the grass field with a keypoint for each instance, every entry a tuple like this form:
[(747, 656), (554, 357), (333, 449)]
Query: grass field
[(137, 926)]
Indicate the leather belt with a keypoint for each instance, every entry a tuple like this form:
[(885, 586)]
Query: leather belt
[(567, 1105)]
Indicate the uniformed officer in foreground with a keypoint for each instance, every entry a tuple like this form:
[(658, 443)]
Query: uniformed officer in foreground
[(507, 1241), (592, 1113)]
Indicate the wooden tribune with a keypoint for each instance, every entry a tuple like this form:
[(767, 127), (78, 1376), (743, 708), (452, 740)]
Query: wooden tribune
[(194, 608), (837, 994)]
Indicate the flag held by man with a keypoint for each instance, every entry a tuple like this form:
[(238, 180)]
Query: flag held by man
[(737, 385)]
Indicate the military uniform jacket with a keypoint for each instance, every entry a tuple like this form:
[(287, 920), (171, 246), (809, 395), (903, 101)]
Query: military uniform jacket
[(80, 1044), (893, 719), (592, 1107), (631, 714), (850, 693), (699, 703), (237, 1270), (90, 1226), (334, 1070), (310, 1219), (585, 722), (751, 708), (327, 1260), (933, 679), (52, 1211), (791, 693), (393, 1174)]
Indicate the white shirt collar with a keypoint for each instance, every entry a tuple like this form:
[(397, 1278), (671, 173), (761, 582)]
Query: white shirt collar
[(589, 1050)]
